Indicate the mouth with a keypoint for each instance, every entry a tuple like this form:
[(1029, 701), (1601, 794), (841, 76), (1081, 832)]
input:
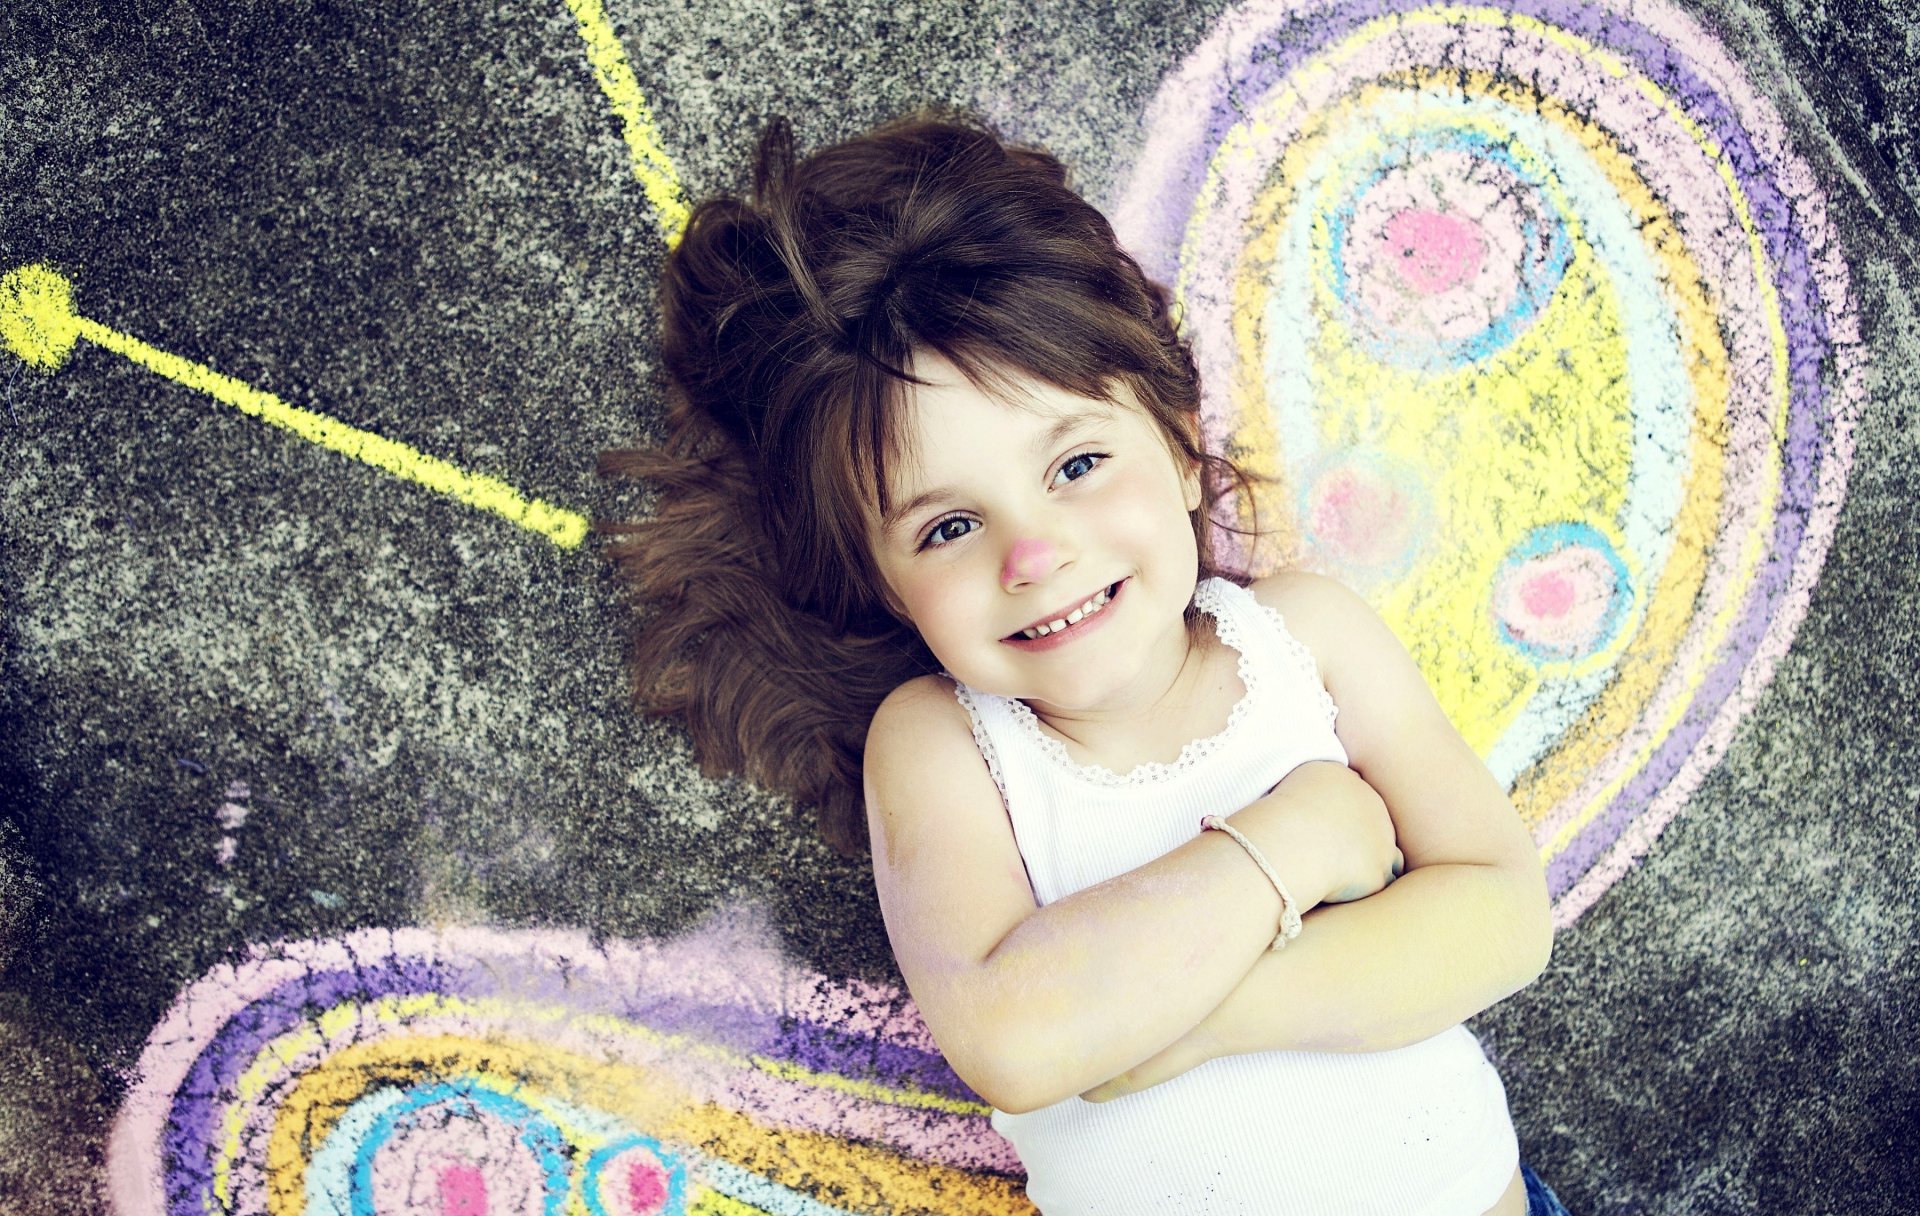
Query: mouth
[(1067, 618)]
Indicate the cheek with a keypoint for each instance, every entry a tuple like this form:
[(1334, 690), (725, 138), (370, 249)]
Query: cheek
[(929, 601), (1154, 500)]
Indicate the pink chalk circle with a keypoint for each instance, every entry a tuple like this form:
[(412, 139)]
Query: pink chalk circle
[(1548, 594), (1364, 514), (454, 1160), (637, 1178), (463, 1190), (1562, 595), (1444, 254), (646, 1180), (1436, 251)]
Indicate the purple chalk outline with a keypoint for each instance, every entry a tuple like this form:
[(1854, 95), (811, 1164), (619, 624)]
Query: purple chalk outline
[(1257, 46), (168, 1134)]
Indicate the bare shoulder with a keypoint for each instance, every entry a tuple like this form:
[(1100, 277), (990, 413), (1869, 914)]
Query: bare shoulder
[(920, 739), (924, 692), (924, 711), (1446, 806), (925, 778), (1323, 613), (1304, 590), (1366, 669), (947, 871), (945, 863)]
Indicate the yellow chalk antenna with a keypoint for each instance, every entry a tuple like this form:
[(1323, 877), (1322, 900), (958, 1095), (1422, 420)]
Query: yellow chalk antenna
[(39, 324), (615, 75)]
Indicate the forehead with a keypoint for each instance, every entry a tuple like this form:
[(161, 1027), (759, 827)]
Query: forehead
[(950, 434), (950, 417)]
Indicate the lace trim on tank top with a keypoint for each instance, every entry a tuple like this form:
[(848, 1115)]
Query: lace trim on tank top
[(981, 739), (1208, 598), (1295, 649)]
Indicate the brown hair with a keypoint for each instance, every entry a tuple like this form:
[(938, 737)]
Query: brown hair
[(791, 322)]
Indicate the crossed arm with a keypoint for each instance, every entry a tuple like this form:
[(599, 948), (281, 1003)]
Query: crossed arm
[(1468, 924), (1382, 972), (1033, 1005)]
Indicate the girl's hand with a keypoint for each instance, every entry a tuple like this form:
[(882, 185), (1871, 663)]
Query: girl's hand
[(1333, 842), (1342, 831)]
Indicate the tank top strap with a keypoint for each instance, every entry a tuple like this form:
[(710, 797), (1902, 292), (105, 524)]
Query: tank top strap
[(998, 736), (993, 727), (1259, 631)]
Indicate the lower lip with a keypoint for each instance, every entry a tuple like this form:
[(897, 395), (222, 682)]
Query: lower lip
[(1079, 629)]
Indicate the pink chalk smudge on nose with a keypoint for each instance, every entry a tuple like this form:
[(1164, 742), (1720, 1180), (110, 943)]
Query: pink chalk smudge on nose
[(1436, 251), (1029, 559), (463, 1190)]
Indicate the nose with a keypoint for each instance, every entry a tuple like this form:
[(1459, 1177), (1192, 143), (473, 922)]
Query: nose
[(1028, 558)]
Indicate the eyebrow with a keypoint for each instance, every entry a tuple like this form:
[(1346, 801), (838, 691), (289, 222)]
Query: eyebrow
[(1065, 425)]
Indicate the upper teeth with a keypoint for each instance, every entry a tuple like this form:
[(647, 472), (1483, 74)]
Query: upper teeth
[(1085, 610)]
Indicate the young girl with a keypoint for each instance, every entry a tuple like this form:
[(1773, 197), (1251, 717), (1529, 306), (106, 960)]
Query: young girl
[(1190, 879)]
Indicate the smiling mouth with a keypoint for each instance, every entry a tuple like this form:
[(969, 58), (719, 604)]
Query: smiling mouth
[(1085, 610)]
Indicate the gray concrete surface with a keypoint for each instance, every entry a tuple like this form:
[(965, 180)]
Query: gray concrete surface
[(421, 219)]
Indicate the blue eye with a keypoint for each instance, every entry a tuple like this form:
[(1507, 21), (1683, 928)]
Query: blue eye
[(953, 527), (1076, 467), (948, 530)]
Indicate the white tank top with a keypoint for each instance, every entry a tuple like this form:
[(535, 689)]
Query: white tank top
[(1419, 1129)]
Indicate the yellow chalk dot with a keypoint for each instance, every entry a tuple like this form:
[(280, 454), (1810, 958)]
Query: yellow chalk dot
[(36, 315)]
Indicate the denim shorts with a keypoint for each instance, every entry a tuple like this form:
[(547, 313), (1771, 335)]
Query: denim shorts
[(1541, 1201)]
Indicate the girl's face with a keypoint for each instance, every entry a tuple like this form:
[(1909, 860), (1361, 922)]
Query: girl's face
[(1011, 518)]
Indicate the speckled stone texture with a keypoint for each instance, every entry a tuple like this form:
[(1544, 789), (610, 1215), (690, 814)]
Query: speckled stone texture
[(253, 690)]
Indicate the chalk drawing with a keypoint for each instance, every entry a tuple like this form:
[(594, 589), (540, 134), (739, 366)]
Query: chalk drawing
[(616, 79), (232, 816), (40, 325), (1535, 317), (1533, 312), (473, 1070)]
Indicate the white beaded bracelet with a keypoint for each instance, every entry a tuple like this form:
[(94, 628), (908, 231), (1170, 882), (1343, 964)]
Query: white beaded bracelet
[(1289, 910)]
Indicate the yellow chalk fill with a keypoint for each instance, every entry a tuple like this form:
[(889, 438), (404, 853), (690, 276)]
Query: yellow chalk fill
[(316, 1072), (1480, 684), (554, 1081), (850, 1175), (616, 79), (1489, 483), (36, 315), (713, 1203), (310, 1040), (1696, 528), (1481, 476)]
